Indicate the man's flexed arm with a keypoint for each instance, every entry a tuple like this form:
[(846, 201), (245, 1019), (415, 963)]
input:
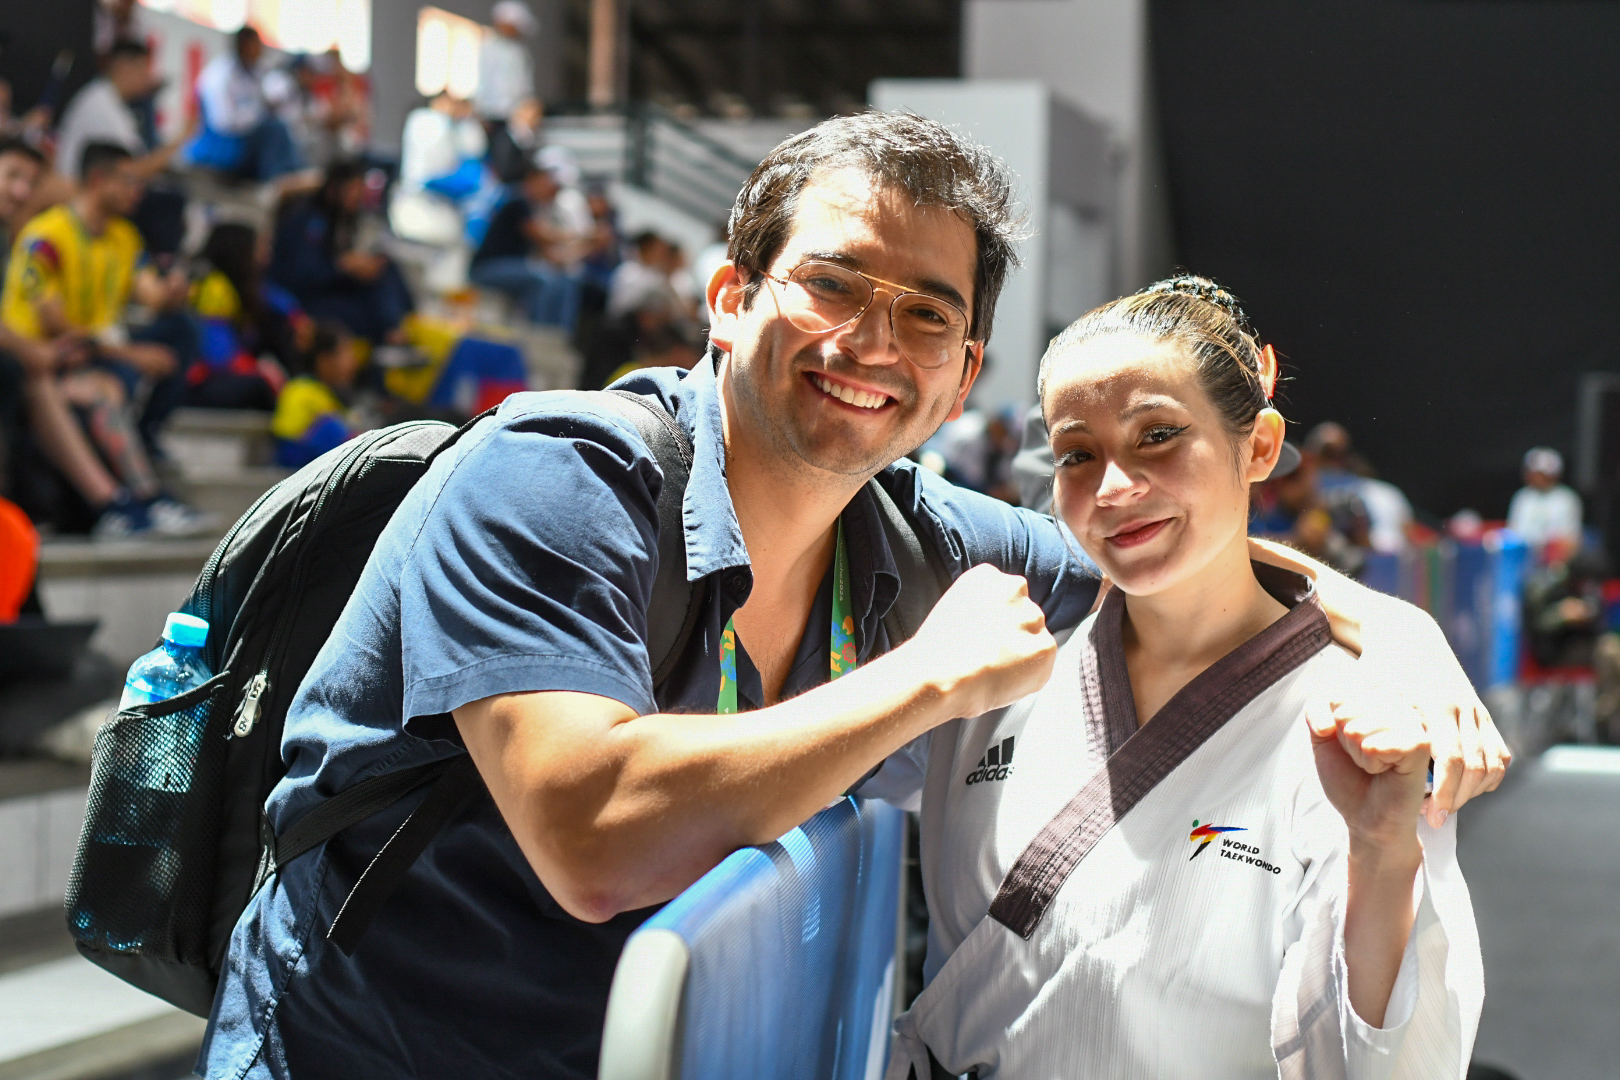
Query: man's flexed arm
[(616, 811)]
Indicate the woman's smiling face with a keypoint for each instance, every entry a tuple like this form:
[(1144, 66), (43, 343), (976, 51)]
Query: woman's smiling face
[(1148, 478)]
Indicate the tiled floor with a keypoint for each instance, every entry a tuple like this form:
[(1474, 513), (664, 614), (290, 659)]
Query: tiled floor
[(1543, 863)]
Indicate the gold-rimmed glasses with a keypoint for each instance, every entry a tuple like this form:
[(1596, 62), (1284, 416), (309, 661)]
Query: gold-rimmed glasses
[(819, 297)]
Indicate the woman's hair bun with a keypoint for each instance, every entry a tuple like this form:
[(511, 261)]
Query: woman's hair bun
[(1231, 364), (1204, 289)]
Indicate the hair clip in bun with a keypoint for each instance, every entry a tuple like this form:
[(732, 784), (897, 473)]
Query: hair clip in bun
[(1268, 371)]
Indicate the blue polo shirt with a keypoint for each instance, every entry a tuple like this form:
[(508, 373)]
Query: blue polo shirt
[(523, 561)]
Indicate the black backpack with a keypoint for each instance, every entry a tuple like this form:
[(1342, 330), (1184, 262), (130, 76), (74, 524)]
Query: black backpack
[(175, 840)]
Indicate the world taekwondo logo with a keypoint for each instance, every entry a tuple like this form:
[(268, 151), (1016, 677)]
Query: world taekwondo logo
[(1203, 834), (995, 765)]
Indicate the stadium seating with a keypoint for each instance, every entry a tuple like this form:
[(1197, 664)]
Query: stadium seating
[(779, 962)]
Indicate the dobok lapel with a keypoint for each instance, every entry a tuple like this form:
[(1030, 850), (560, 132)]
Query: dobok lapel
[(1140, 757)]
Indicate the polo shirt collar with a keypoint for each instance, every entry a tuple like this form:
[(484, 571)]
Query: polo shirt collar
[(714, 540)]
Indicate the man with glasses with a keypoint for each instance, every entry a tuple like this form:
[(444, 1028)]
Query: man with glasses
[(505, 611)]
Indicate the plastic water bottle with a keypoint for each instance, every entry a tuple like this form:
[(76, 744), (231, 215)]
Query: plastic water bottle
[(153, 762), (172, 668)]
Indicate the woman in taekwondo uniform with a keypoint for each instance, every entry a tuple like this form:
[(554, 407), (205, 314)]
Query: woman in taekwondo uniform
[(1180, 859)]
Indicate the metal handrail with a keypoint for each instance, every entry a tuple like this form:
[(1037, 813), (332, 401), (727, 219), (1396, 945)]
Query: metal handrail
[(660, 154)]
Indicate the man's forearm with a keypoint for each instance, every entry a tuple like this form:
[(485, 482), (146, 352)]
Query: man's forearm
[(662, 798)]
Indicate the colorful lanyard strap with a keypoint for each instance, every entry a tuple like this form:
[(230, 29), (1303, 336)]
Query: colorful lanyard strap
[(842, 647)]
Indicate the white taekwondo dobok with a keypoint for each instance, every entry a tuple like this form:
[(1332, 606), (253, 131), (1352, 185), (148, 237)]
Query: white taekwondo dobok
[(1166, 902)]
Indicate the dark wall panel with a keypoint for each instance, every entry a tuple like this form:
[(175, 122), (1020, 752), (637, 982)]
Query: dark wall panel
[(32, 33), (1419, 203)]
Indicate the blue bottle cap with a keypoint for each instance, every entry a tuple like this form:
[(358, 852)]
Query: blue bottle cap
[(185, 630)]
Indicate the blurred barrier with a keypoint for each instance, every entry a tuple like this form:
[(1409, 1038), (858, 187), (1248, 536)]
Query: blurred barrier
[(1474, 591), (779, 962)]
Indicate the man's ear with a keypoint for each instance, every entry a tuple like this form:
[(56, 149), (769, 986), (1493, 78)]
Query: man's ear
[(975, 364), (725, 298), (1265, 445)]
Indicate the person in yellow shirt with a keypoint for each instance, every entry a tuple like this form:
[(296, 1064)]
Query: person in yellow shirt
[(312, 415), (72, 271)]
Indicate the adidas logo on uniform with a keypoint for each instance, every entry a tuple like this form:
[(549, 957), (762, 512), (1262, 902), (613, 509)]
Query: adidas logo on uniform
[(995, 765)]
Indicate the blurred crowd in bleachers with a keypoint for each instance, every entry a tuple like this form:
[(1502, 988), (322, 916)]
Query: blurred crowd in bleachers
[(269, 258), (265, 256)]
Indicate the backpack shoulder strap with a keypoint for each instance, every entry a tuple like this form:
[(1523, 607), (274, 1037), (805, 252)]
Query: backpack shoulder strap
[(672, 613), (923, 576)]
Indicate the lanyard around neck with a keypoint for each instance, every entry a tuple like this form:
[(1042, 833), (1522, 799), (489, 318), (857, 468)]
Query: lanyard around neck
[(841, 647)]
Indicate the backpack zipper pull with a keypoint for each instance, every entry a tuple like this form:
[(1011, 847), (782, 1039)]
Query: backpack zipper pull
[(247, 714)]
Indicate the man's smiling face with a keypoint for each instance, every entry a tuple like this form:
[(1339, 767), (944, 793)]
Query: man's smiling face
[(848, 402)]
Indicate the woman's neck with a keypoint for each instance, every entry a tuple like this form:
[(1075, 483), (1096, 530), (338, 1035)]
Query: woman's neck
[(1171, 637)]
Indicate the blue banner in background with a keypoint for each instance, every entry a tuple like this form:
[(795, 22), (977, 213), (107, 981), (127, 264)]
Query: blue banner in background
[(1509, 557), (1473, 590)]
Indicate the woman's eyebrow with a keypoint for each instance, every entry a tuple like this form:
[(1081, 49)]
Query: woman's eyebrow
[(1148, 405), (1068, 426)]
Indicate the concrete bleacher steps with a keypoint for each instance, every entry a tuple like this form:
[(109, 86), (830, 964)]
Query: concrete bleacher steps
[(61, 1017), (208, 442), (129, 585), (41, 810)]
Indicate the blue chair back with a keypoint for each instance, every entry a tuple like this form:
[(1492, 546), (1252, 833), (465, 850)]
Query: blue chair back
[(780, 962)]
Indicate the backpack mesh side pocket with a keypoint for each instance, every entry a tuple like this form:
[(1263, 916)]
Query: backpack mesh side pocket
[(143, 877)]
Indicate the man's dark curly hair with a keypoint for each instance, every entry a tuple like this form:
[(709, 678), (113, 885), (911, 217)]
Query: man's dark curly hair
[(932, 164)]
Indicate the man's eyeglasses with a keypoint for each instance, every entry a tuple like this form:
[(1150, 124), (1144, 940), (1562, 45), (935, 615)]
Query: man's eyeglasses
[(819, 297)]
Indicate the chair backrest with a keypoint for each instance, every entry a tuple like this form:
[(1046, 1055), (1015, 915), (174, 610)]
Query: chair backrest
[(779, 962)]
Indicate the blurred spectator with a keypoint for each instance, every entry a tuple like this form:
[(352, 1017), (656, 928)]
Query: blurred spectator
[(227, 300), (104, 111), (977, 450), (1545, 510), (646, 273), (1032, 466), (319, 259), (1287, 506), (441, 164), (101, 112), (530, 254), (1338, 489), (1381, 517), (115, 21), (322, 105), (312, 413), (513, 144), (20, 357), (603, 253), (241, 134), (505, 70), (663, 346), (74, 270), (623, 341), (1563, 605)]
